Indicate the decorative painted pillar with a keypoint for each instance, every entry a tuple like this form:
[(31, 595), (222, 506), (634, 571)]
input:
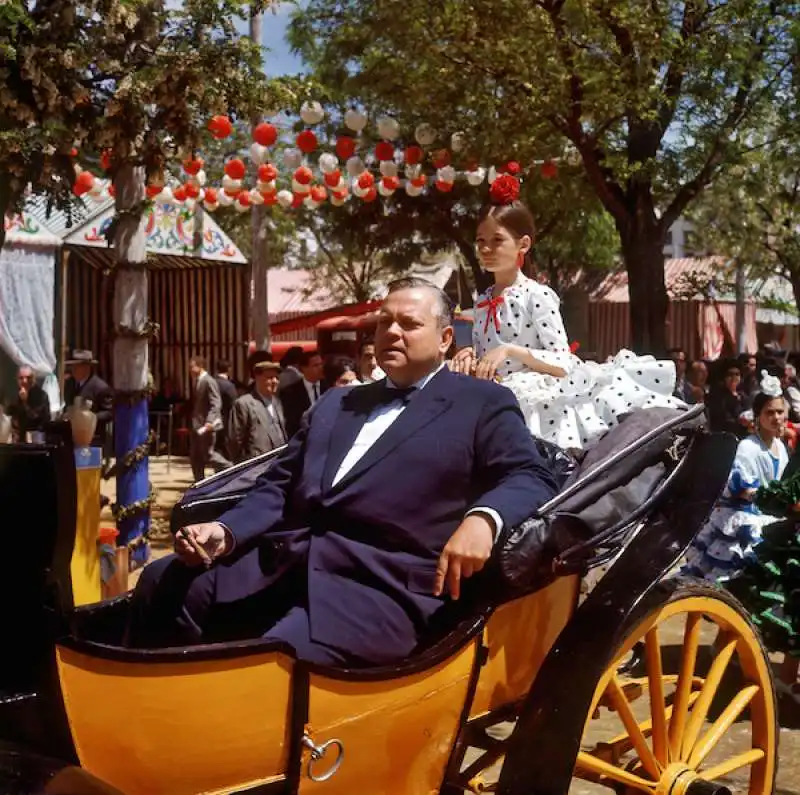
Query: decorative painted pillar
[(132, 329)]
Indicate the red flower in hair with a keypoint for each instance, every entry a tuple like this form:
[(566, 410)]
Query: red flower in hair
[(512, 167), (505, 189), (573, 348)]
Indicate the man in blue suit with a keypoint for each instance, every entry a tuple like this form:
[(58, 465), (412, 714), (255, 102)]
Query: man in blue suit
[(388, 497)]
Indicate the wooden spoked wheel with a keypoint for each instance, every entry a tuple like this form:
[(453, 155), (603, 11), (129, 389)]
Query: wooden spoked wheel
[(674, 712)]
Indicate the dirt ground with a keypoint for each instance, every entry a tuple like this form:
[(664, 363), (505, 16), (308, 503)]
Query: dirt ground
[(170, 481)]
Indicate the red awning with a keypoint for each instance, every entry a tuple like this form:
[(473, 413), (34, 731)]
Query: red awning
[(314, 319)]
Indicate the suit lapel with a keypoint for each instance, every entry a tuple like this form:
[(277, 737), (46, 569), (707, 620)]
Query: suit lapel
[(422, 410)]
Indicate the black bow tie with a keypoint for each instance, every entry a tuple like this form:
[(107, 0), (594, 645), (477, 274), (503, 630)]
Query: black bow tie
[(390, 394)]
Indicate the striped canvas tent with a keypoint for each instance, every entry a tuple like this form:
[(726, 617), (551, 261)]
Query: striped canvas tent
[(199, 291), (693, 323)]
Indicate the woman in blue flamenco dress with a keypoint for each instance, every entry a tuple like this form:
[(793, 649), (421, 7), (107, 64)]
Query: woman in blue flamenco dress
[(725, 543)]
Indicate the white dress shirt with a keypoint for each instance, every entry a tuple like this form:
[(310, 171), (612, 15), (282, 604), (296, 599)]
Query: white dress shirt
[(312, 390), (377, 423)]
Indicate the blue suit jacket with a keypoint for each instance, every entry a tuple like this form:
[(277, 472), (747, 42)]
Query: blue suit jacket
[(369, 545)]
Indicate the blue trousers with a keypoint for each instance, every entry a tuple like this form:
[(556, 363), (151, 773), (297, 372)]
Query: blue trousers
[(174, 605)]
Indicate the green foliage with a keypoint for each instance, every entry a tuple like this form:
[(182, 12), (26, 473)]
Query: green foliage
[(654, 99)]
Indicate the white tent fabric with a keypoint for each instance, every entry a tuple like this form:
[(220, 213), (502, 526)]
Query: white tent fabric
[(27, 286)]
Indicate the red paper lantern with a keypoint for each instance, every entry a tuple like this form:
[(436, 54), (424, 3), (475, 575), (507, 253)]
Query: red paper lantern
[(180, 193), (444, 187), (73, 152), (193, 165), (267, 173), (270, 198), (220, 127), (391, 183), (303, 175), (265, 134), (384, 151), (419, 182), (318, 193), (192, 190), (366, 180), (112, 191), (153, 191), (232, 192), (105, 159), (307, 142), (549, 170), (333, 178), (84, 182), (414, 155), (298, 200), (244, 199), (441, 158), (235, 169), (370, 195), (211, 195), (345, 147)]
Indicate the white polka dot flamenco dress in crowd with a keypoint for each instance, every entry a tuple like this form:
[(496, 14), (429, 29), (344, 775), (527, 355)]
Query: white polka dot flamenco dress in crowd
[(573, 411)]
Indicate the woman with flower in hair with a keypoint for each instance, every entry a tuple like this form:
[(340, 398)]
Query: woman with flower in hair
[(725, 543), (519, 340)]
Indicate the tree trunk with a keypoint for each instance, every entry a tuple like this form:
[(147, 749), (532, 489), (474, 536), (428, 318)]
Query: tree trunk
[(130, 365), (794, 277), (259, 307), (5, 203), (643, 253)]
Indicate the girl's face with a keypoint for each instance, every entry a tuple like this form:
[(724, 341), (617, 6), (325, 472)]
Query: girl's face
[(772, 418), (498, 250), (347, 377)]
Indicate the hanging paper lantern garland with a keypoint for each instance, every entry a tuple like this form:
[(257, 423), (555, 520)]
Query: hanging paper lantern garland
[(220, 127)]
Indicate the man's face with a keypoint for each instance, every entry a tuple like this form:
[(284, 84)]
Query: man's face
[(679, 357), (312, 371), (194, 369), (368, 360), (408, 339), (750, 367), (80, 372), (266, 381), (25, 378)]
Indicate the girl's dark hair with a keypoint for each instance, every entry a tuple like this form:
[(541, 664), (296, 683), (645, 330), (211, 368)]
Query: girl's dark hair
[(761, 400), (337, 367), (515, 218)]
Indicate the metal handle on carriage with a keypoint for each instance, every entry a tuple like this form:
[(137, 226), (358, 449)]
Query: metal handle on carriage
[(318, 753)]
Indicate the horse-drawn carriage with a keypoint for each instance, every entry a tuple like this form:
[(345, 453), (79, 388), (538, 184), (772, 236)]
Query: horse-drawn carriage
[(620, 692)]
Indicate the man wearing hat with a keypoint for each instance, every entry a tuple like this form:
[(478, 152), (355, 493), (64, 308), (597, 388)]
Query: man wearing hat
[(257, 423), (89, 386)]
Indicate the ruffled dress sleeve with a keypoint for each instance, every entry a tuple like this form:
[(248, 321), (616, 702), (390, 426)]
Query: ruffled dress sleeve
[(550, 343)]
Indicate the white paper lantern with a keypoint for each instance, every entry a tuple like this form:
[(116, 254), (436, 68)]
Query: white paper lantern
[(328, 163), (388, 128), (166, 195), (425, 134), (298, 187), (211, 206), (412, 189), (189, 204), (388, 168), (223, 199), (240, 208), (312, 112), (337, 201), (98, 188), (256, 197), (258, 154), (285, 198), (446, 174), (355, 120), (476, 177), (458, 141), (492, 175), (267, 187), (383, 190), (358, 190), (310, 203), (231, 184), (292, 158), (200, 178), (355, 166)]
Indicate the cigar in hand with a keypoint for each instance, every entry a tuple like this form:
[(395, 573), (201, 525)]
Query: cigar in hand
[(202, 554)]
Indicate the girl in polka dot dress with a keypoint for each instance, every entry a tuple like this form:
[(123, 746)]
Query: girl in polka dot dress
[(519, 339)]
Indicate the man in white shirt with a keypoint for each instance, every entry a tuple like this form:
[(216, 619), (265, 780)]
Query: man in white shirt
[(368, 370), (390, 496)]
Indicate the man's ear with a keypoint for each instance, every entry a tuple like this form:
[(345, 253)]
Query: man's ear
[(447, 339)]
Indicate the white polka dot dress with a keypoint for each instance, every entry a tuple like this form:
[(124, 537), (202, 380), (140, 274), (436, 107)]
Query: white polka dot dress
[(576, 410)]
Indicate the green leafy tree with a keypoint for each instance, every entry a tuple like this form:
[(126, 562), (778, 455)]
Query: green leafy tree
[(654, 99)]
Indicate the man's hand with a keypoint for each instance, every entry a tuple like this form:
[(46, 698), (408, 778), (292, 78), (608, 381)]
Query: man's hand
[(209, 427), (463, 362), (23, 394), (464, 554), (210, 537)]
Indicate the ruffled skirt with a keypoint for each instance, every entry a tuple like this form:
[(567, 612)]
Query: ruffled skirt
[(575, 411)]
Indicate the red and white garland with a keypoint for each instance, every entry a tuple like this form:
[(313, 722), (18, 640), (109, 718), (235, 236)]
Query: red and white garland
[(347, 170)]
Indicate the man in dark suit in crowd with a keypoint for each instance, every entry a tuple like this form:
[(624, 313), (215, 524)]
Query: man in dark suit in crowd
[(30, 410), (87, 385), (290, 367), (257, 424), (228, 394), (300, 395), (206, 421), (389, 496)]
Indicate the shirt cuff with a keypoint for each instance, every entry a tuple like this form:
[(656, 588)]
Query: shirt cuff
[(493, 515), (231, 538)]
